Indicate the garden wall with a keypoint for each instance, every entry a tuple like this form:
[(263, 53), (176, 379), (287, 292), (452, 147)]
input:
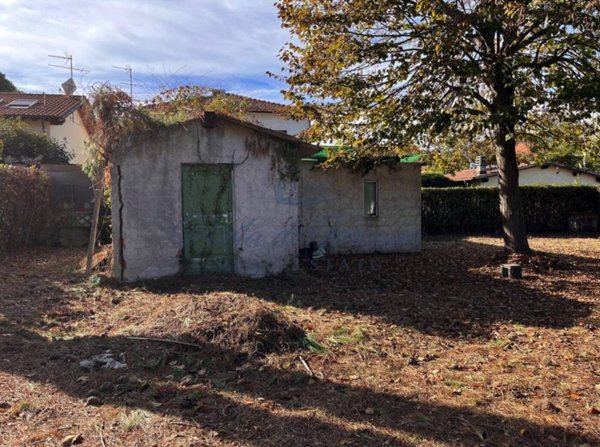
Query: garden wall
[(476, 210)]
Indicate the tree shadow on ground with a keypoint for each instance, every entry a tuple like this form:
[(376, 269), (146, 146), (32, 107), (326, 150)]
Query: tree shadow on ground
[(251, 402), (441, 291), (286, 408)]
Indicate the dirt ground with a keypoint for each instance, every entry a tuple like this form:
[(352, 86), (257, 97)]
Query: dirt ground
[(430, 349)]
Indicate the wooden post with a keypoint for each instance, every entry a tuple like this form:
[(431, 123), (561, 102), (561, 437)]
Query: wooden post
[(98, 192)]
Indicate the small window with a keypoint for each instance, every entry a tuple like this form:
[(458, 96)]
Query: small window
[(22, 103), (371, 199)]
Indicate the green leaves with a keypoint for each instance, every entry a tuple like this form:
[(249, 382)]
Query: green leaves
[(391, 71), (573, 141), (6, 85), (19, 143), (313, 345)]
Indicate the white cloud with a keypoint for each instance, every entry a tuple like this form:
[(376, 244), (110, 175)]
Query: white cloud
[(227, 41)]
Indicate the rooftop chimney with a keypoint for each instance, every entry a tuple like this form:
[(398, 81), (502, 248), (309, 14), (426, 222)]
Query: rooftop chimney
[(481, 165)]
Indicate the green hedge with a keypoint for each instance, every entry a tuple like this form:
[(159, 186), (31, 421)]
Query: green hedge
[(476, 210), (436, 180)]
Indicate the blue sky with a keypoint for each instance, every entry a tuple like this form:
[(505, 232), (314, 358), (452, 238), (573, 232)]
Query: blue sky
[(226, 44)]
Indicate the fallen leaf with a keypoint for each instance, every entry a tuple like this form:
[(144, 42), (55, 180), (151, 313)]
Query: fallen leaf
[(71, 440), (593, 410)]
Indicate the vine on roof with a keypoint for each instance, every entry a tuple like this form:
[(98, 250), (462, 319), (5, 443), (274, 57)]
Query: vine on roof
[(114, 121)]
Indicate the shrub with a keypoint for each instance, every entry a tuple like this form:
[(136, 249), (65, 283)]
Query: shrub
[(436, 180), (18, 143), (476, 210), (26, 206)]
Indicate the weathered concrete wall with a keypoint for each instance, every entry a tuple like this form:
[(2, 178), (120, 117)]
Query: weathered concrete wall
[(265, 205), (332, 210)]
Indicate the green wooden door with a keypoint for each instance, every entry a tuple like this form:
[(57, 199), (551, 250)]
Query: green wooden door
[(207, 219)]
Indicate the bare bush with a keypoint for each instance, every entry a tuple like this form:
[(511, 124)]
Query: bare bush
[(26, 206)]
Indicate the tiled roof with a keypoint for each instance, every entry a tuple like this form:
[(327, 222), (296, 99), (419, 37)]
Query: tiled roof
[(464, 176), (524, 154), (54, 108), (258, 105)]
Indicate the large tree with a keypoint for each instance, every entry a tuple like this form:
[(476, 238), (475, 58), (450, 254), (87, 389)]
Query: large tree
[(573, 143), (380, 73), (6, 85)]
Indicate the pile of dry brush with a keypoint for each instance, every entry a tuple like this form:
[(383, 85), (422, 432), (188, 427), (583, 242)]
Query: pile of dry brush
[(232, 323)]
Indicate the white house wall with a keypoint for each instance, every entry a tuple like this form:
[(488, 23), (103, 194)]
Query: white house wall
[(552, 175), (72, 131), (278, 122), (75, 134), (332, 210), (38, 126), (265, 205)]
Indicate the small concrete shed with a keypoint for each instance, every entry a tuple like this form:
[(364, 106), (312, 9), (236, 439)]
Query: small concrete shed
[(346, 212), (217, 194)]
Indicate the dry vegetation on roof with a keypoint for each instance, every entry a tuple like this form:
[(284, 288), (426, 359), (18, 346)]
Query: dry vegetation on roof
[(113, 121), (112, 118), (431, 349)]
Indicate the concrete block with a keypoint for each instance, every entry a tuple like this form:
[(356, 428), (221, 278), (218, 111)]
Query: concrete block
[(513, 271)]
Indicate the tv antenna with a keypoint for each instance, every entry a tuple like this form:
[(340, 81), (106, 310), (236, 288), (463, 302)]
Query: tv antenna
[(129, 70), (69, 86)]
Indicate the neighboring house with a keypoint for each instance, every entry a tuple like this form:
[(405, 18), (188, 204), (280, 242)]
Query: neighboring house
[(270, 115), (223, 195), (531, 174), (59, 116)]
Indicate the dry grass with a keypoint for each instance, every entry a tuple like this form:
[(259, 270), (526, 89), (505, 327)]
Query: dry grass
[(433, 349)]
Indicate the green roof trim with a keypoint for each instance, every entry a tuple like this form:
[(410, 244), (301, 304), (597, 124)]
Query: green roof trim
[(323, 155), (414, 158)]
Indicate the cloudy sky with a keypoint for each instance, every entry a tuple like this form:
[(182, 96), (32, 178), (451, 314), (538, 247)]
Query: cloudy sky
[(226, 44)]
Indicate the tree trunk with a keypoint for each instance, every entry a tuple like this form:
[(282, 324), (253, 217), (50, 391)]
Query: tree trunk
[(511, 207)]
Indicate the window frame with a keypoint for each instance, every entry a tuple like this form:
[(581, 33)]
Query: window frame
[(365, 214), (22, 103)]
